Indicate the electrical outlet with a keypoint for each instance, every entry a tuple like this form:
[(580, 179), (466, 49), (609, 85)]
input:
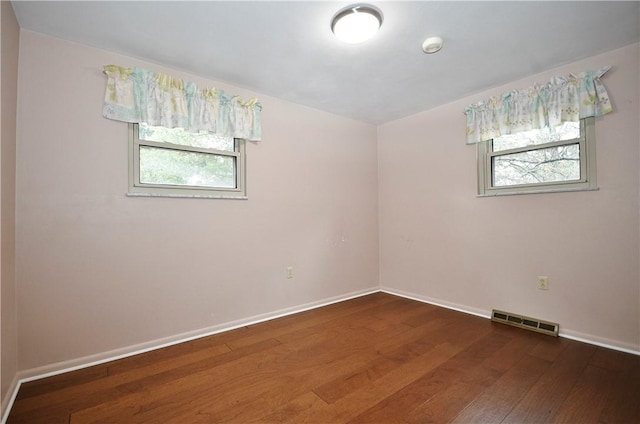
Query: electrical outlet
[(289, 272), (543, 283)]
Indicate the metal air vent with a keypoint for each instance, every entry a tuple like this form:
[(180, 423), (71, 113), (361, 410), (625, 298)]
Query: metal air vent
[(533, 324)]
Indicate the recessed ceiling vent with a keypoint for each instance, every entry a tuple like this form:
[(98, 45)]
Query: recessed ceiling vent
[(533, 324)]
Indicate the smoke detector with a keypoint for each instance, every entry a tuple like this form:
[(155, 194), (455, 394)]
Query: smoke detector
[(432, 45)]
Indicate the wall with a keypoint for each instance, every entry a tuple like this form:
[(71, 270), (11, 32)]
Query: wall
[(9, 35), (441, 243), (101, 273)]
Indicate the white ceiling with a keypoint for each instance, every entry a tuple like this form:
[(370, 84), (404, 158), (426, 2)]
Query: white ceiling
[(286, 49)]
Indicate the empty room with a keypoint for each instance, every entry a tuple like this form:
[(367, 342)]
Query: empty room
[(320, 211)]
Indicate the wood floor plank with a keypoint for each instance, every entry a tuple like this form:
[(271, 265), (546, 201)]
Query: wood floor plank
[(315, 318), (520, 344), (297, 407), (614, 360), (446, 404), (275, 383), (623, 402), (314, 350), (397, 350), (62, 381), (112, 380), (377, 358), (495, 403), (322, 368), (550, 348), (587, 399), (544, 398), (38, 410), (466, 366), (356, 402)]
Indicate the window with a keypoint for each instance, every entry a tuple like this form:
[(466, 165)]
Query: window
[(177, 163), (538, 161)]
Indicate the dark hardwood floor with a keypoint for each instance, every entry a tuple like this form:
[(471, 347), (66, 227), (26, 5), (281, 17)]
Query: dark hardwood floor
[(374, 359)]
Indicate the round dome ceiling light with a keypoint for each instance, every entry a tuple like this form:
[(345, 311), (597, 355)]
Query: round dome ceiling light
[(357, 23), (432, 45)]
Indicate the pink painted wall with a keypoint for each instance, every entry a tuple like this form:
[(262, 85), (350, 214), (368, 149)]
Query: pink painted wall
[(98, 271), (9, 35), (440, 242)]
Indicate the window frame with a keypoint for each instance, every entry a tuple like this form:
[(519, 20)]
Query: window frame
[(588, 176), (136, 188)]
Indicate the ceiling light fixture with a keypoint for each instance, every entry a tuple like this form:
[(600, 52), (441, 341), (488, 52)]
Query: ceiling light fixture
[(432, 45), (356, 23)]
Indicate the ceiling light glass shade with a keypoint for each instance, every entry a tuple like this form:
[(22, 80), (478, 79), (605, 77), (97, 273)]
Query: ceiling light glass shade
[(357, 23)]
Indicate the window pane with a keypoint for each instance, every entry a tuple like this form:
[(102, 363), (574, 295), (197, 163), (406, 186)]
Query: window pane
[(566, 131), (185, 138), (552, 164), (175, 167)]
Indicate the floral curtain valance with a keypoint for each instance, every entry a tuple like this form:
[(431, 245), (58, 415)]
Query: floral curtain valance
[(142, 96), (562, 99)]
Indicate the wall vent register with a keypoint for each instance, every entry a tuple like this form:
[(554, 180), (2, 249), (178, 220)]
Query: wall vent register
[(533, 324)]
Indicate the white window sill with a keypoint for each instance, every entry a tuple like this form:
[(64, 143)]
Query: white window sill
[(515, 193), (189, 196)]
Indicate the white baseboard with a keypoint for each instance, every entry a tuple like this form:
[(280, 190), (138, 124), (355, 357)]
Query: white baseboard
[(10, 397), (437, 302), (101, 358), (567, 334), (599, 341), (88, 361)]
